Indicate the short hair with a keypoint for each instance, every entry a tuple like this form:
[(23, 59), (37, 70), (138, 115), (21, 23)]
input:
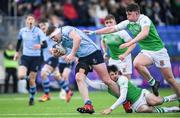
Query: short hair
[(133, 7), (112, 68), (51, 29), (30, 15), (110, 16), (43, 20)]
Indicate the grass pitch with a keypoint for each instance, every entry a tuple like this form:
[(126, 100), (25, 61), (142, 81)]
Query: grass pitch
[(16, 105)]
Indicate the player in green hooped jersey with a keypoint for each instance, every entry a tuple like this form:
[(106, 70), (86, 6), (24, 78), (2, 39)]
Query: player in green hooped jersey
[(119, 57), (152, 48), (142, 100)]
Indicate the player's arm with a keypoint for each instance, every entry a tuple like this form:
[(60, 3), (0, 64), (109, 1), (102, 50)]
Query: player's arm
[(145, 26), (96, 84), (76, 41), (76, 44), (104, 47), (111, 29), (43, 43), (124, 34), (123, 83), (18, 46), (143, 34)]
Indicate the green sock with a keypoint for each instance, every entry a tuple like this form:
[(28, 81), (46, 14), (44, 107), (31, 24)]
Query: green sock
[(158, 110), (165, 99), (152, 82)]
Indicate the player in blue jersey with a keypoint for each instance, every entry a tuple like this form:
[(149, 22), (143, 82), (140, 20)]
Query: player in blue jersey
[(90, 57), (51, 67), (64, 68), (33, 39)]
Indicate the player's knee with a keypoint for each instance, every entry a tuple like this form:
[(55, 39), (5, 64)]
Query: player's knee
[(57, 75), (80, 76), (44, 74)]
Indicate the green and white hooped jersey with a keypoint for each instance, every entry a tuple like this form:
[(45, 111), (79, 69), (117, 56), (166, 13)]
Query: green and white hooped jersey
[(152, 42), (114, 40), (133, 92)]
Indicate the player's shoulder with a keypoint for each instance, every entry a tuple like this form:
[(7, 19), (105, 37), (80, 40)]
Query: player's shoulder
[(23, 29), (122, 79), (143, 17)]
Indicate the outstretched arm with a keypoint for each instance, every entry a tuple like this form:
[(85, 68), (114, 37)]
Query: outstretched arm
[(96, 84), (143, 34), (123, 83)]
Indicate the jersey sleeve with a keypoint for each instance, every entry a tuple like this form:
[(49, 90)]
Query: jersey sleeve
[(123, 84), (125, 35), (145, 21), (42, 35), (19, 36), (66, 30), (96, 84), (122, 25)]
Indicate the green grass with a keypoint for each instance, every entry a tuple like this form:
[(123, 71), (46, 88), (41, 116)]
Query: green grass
[(16, 105)]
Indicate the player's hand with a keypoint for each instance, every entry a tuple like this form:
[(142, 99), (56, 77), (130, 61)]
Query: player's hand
[(36, 46), (106, 58), (89, 32), (16, 56), (55, 52), (69, 58), (122, 57), (125, 45), (107, 111)]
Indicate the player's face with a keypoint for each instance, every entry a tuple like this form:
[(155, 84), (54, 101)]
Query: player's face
[(113, 76), (132, 16), (30, 21), (109, 22), (43, 27), (57, 37)]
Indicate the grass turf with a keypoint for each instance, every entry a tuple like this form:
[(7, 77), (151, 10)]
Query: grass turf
[(16, 105)]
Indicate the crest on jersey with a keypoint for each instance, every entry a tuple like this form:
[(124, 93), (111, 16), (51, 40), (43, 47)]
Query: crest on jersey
[(162, 63)]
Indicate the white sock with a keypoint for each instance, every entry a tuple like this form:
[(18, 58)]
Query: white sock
[(171, 109), (170, 98)]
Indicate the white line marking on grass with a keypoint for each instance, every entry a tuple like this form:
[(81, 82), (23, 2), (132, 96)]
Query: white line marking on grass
[(25, 98), (46, 114)]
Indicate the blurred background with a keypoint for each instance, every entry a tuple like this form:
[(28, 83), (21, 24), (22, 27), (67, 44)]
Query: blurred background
[(90, 14)]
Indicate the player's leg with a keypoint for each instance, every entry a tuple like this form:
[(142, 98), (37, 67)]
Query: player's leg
[(23, 68), (82, 70), (100, 67), (63, 84), (162, 61), (168, 75), (140, 63), (65, 75), (45, 72), (153, 100), (32, 87), (34, 64), (22, 74)]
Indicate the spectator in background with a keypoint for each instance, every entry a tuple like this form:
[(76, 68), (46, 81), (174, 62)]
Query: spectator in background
[(70, 13), (82, 9), (10, 68)]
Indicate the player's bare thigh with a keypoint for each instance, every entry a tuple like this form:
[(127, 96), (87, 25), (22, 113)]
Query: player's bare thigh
[(153, 100), (102, 71), (22, 72), (65, 73), (142, 60)]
